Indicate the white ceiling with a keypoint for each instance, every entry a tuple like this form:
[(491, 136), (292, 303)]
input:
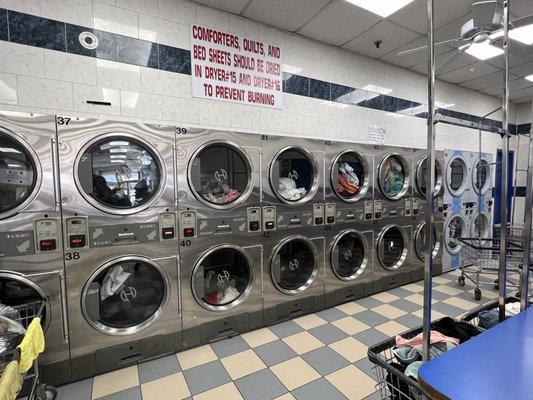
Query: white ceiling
[(339, 23)]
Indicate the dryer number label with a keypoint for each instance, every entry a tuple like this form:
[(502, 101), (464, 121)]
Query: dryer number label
[(185, 243), (72, 256), (181, 131), (63, 120)]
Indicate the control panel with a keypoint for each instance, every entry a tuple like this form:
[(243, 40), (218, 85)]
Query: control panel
[(331, 213), (77, 232), (269, 218), (167, 225), (187, 224), (46, 235), (440, 204), (369, 210), (318, 214), (412, 207), (378, 209), (253, 216)]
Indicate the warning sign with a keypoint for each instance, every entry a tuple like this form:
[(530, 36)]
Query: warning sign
[(228, 67)]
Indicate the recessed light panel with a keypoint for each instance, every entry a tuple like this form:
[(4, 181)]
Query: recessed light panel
[(383, 8), (483, 51), (529, 78), (524, 34)]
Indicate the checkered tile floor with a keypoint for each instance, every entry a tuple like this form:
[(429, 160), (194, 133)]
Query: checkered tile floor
[(318, 356)]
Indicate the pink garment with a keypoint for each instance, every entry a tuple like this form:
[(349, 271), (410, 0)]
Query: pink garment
[(231, 196), (435, 337)]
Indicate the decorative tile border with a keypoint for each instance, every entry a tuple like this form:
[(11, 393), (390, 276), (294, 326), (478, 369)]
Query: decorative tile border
[(45, 33)]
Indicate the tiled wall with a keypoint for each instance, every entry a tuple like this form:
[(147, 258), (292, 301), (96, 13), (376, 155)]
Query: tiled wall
[(44, 69)]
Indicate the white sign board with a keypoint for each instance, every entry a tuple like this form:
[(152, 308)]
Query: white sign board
[(229, 67), (376, 135)]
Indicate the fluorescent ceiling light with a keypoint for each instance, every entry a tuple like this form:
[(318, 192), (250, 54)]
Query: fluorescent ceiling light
[(119, 150), (483, 51), (529, 78), (524, 34), (383, 8), (119, 143), (117, 161)]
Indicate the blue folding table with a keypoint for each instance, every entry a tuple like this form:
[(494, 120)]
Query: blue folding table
[(496, 365)]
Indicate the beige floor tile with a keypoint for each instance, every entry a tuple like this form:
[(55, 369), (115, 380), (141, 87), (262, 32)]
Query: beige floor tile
[(286, 396), (197, 356), (310, 321), (170, 387), (440, 280), (434, 314), (303, 342), (461, 303), (242, 364), (259, 337), (350, 325), (385, 297), (350, 348), (352, 382), (351, 308), (448, 290), (115, 381), (294, 373), (225, 392), (389, 311), (418, 298), (414, 287), (391, 328)]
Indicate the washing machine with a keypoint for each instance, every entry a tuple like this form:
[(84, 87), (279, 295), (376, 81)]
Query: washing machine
[(481, 226), (121, 247), (348, 225), (220, 233), (31, 257), (293, 218), (393, 217), (420, 212)]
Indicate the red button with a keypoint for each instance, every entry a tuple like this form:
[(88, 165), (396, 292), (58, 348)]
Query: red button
[(188, 232)]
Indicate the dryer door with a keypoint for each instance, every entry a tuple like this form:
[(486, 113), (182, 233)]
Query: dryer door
[(119, 174), (19, 175), (222, 278), (421, 177), (454, 229), (456, 176), (392, 247), (125, 295), (349, 256), (480, 227), (294, 265), (393, 176), (420, 242), (481, 177), (349, 176)]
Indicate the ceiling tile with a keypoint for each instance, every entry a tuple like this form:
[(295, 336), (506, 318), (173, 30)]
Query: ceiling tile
[(285, 14), (485, 81), (459, 61), (522, 8), (522, 100), (232, 6), (391, 36), (418, 57), (339, 22), (414, 15), (524, 94), (523, 70), (515, 87), (468, 72)]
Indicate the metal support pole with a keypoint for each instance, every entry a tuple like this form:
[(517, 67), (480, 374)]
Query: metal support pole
[(430, 219), (527, 231), (505, 167)]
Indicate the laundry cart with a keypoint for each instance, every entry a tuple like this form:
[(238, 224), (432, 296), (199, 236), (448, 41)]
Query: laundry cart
[(19, 368)]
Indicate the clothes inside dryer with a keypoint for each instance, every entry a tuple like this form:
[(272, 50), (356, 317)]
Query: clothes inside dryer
[(119, 172), (420, 241), (14, 292), (219, 174), (457, 174), (348, 175), (349, 256), (392, 176), (480, 226), (454, 232), (124, 294), (221, 277), (392, 248), (294, 265), (421, 176), (293, 174), (481, 176), (18, 174)]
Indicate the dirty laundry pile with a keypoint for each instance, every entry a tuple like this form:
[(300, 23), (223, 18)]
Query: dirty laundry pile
[(347, 180)]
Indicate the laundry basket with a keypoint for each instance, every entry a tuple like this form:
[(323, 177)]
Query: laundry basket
[(472, 316)]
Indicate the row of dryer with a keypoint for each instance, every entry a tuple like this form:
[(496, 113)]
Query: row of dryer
[(145, 239)]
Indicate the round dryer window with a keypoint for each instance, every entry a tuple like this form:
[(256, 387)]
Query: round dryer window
[(420, 242), (480, 226), (393, 176), (119, 172), (16, 291), (220, 175), (293, 175), (125, 295), (454, 231), (392, 247), (294, 265), (349, 176), (222, 278), (421, 177), (18, 175), (481, 176), (456, 176), (349, 255)]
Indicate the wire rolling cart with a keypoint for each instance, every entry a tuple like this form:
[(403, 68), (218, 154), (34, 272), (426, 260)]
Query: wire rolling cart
[(32, 388)]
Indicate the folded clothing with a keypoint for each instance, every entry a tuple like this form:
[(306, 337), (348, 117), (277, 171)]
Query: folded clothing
[(489, 318), (435, 337)]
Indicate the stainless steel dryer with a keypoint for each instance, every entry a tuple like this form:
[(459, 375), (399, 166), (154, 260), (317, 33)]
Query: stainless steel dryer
[(420, 212), (31, 257), (348, 230), (293, 225), (220, 234), (120, 233), (393, 210)]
